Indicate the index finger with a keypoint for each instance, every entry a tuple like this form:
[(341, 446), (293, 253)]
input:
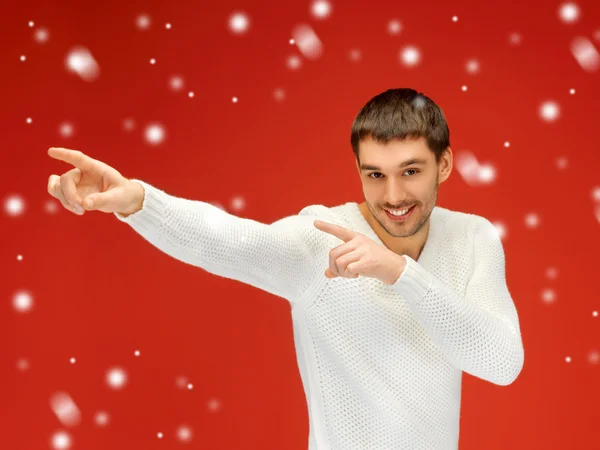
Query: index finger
[(74, 157), (336, 230)]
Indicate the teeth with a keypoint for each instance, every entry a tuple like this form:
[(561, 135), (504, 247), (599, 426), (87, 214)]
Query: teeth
[(398, 213)]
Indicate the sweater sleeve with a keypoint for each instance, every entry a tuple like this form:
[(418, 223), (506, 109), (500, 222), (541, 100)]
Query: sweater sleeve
[(276, 257), (478, 333)]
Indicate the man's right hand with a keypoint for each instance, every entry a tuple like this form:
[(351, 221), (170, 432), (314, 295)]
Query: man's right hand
[(95, 181)]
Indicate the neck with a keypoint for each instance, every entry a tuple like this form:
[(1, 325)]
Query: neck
[(411, 245)]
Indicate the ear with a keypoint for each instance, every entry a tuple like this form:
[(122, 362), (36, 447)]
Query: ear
[(445, 165)]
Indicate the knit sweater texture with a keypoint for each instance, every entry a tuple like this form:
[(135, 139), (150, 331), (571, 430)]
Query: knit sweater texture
[(381, 365)]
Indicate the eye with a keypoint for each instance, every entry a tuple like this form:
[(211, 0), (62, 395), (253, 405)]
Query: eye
[(378, 178)]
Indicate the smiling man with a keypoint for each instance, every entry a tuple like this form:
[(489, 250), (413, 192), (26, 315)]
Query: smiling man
[(392, 299)]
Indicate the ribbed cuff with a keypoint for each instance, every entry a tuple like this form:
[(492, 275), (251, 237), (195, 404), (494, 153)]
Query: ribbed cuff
[(152, 214), (414, 282)]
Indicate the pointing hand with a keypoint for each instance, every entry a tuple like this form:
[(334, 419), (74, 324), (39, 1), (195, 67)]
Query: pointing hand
[(92, 185)]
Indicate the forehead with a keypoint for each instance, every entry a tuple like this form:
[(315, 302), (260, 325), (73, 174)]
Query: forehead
[(394, 151)]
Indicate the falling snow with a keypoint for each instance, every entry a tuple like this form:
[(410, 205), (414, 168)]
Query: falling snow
[(307, 41), (143, 21), (549, 111), (410, 56), (569, 12), (80, 60), (394, 26), (65, 409), (116, 378), (154, 134), (321, 9), (585, 53), (239, 22)]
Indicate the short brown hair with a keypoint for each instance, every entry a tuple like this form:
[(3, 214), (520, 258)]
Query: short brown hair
[(399, 114)]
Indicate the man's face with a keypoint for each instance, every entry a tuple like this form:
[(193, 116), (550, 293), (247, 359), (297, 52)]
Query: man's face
[(387, 185)]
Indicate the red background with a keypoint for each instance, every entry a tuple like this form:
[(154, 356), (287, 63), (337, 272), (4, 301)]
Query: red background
[(100, 291)]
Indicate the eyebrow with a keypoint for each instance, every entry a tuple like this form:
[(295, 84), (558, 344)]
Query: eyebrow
[(408, 162)]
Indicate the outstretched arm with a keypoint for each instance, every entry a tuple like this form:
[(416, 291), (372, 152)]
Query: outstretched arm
[(276, 257)]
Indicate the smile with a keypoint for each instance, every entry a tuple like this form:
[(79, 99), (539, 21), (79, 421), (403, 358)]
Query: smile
[(402, 217)]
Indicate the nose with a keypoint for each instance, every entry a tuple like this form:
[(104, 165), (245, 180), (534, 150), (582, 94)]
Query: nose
[(395, 198)]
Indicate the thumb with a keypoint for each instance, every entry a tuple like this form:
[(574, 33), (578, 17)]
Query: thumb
[(330, 274), (102, 201), (90, 202)]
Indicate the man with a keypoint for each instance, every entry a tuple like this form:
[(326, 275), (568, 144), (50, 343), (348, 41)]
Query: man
[(392, 299)]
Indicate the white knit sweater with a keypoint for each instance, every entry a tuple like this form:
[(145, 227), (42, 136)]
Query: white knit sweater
[(381, 365)]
